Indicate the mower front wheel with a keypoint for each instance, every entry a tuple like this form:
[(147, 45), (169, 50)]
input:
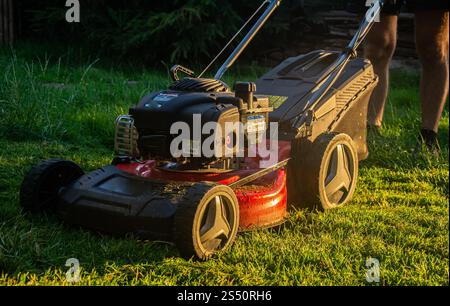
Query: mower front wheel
[(206, 221), (40, 187)]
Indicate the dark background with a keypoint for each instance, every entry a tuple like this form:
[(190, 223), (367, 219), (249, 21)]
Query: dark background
[(177, 30), (188, 32)]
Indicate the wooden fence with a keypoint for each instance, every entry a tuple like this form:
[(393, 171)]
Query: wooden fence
[(335, 31), (342, 26)]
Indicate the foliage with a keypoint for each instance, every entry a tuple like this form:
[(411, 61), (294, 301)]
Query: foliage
[(189, 31), (151, 30)]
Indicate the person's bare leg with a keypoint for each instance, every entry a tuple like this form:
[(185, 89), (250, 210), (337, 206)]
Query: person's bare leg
[(432, 39), (379, 49)]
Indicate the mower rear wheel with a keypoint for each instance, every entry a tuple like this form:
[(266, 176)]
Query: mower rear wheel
[(40, 187), (328, 173), (206, 221)]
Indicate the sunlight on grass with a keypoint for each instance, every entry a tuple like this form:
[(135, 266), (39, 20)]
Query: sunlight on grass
[(50, 108)]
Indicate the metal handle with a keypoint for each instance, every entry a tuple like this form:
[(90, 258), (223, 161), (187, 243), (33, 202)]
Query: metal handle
[(272, 5), (338, 66)]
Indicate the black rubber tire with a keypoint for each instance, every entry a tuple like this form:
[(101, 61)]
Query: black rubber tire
[(40, 187), (311, 170), (189, 216)]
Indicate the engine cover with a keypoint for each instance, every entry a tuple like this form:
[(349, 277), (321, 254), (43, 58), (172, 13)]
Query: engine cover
[(156, 114)]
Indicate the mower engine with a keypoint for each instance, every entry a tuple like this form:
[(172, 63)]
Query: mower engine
[(206, 113)]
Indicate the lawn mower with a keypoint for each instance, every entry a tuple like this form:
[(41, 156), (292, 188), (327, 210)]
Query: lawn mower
[(317, 103)]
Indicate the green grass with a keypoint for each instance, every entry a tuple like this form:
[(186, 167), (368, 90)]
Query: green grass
[(400, 214)]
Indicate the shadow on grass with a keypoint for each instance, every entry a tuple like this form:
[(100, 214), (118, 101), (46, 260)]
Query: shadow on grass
[(35, 244)]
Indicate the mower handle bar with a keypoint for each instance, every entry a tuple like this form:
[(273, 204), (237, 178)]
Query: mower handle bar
[(338, 66), (271, 7)]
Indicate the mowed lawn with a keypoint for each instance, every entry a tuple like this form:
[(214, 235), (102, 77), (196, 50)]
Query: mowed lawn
[(57, 107)]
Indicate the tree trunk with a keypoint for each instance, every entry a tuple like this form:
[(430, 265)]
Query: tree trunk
[(6, 22)]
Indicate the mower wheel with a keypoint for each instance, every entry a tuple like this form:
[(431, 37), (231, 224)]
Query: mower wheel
[(206, 221), (328, 172), (40, 187)]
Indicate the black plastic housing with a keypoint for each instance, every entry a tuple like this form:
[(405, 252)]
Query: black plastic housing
[(113, 201), (344, 107), (157, 112)]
